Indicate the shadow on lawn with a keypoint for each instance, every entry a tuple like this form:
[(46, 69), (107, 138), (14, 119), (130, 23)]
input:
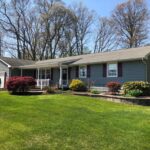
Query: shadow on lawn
[(27, 93)]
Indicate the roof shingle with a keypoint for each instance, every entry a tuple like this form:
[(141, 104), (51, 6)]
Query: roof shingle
[(16, 62)]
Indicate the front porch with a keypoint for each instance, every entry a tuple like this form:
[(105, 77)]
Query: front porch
[(48, 76)]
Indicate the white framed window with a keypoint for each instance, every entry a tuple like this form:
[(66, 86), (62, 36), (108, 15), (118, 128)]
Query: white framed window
[(112, 70), (82, 71)]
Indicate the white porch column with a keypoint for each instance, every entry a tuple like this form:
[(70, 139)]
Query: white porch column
[(38, 76), (60, 77)]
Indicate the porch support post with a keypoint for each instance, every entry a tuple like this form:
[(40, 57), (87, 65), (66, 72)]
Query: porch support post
[(38, 76), (38, 73), (60, 77)]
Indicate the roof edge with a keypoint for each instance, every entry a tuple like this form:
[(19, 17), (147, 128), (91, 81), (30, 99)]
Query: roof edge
[(147, 55), (123, 60), (9, 66)]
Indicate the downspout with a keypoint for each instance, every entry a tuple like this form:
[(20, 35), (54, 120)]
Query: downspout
[(145, 62)]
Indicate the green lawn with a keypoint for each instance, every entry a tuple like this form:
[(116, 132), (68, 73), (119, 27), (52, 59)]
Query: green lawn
[(66, 122)]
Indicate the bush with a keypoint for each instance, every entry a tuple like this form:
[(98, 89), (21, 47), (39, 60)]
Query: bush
[(135, 93), (137, 85), (77, 85), (49, 89), (95, 92), (20, 84), (113, 87)]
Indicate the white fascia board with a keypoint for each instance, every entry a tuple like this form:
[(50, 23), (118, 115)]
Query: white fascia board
[(9, 66)]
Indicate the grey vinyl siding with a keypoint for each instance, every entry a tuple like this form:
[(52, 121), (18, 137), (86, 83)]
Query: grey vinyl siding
[(148, 69), (15, 72), (4, 68), (73, 73), (56, 75), (132, 71), (30, 73)]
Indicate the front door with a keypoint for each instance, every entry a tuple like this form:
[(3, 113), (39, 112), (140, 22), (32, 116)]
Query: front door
[(65, 76)]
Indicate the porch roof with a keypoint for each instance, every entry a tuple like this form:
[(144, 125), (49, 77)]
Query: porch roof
[(49, 64), (16, 62)]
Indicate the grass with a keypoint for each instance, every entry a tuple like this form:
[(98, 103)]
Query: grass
[(66, 122)]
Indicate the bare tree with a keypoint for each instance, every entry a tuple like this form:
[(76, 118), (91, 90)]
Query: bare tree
[(105, 37), (1, 44), (85, 18), (57, 20), (44, 29), (11, 21), (130, 20)]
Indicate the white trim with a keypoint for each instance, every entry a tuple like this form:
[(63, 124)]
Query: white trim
[(2, 78), (81, 77), (5, 63), (108, 70)]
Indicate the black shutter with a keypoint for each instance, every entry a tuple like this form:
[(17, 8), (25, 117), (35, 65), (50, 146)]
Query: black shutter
[(88, 71), (120, 69), (77, 71), (104, 70), (52, 70), (69, 73)]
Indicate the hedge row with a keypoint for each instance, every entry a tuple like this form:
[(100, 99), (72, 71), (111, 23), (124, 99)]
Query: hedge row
[(133, 88)]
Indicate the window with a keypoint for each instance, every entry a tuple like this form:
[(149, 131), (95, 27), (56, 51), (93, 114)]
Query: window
[(42, 74), (45, 74), (48, 74), (112, 70), (82, 72)]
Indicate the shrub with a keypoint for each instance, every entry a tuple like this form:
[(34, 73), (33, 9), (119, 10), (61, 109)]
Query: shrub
[(49, 89), (20, 84), (95, 92), (137, 85), (77, 85), (113, 87), (135, 93)]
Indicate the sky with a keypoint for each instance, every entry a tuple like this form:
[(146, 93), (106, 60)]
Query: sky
[(102, 7)]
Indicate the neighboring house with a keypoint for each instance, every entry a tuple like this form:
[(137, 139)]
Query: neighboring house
[(98, 69)]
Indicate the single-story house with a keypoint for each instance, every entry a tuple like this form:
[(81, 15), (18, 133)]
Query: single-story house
[(96, 69)]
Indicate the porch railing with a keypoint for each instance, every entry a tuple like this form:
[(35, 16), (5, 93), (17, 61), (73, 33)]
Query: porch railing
[(42, 83)]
